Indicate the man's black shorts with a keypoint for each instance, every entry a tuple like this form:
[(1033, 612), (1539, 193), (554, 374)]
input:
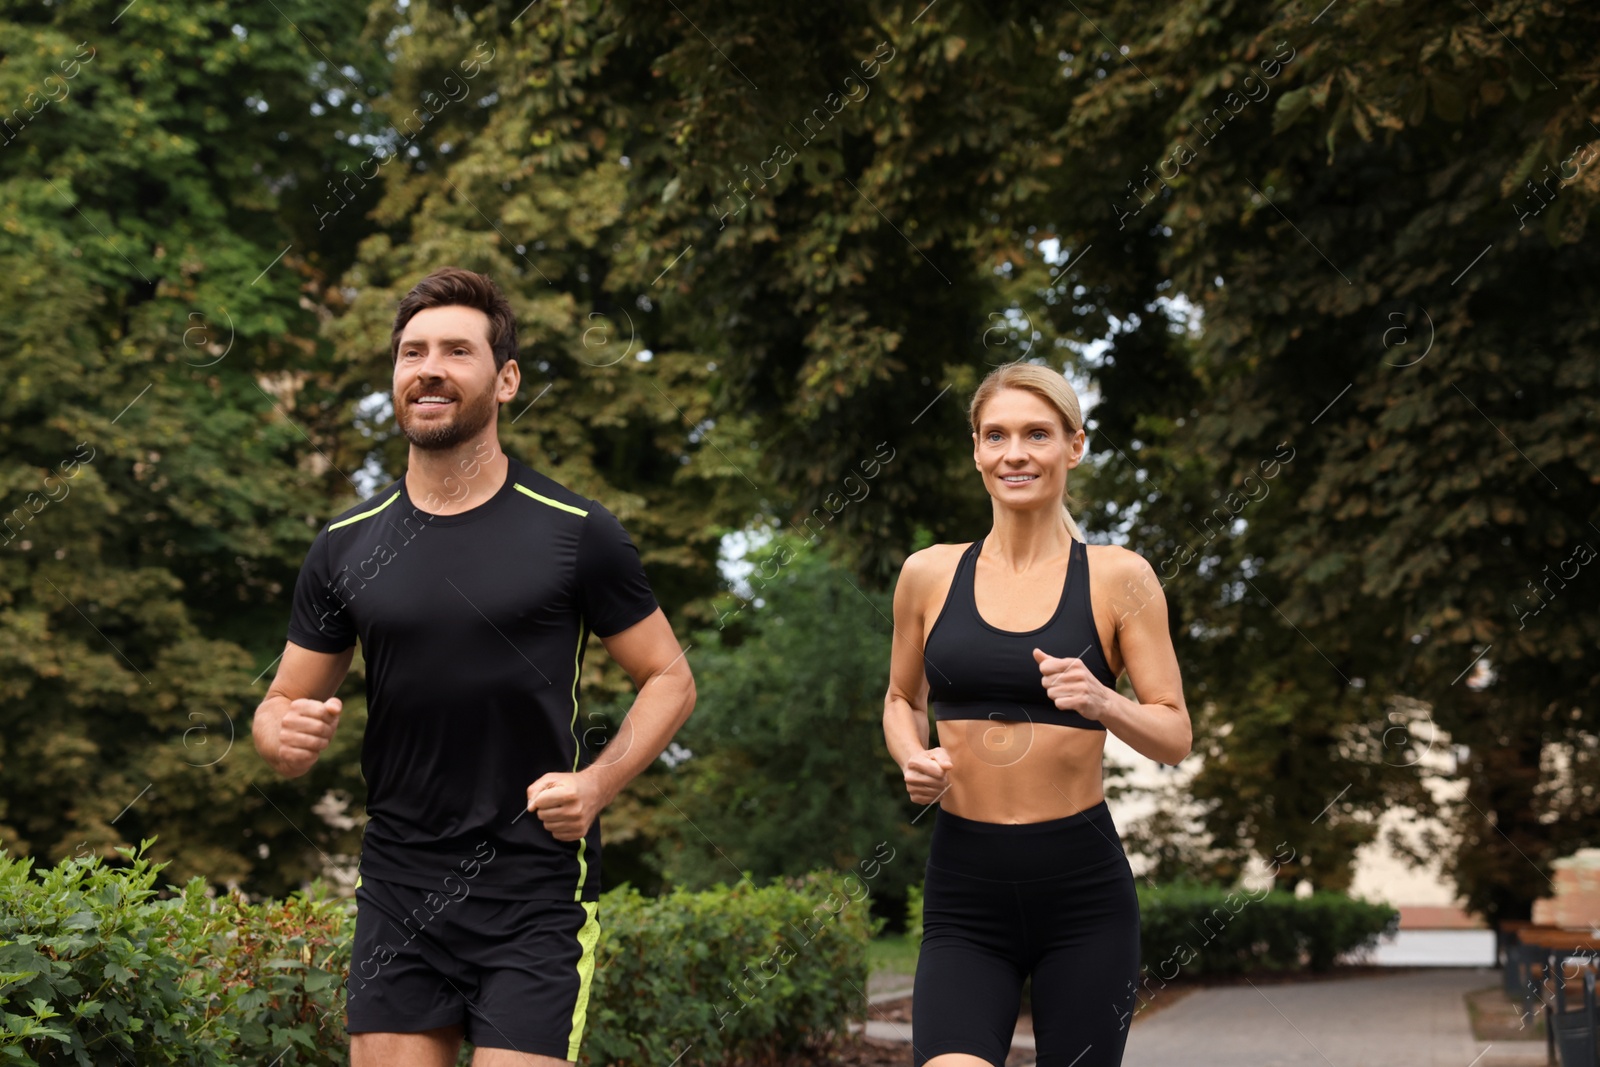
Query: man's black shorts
[(512, 974)]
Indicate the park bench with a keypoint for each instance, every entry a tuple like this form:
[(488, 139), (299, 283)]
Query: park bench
[(1570, 1021), (1556, 969)]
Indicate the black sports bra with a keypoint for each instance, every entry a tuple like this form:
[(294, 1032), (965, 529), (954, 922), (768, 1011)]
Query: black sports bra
[(976, 671)]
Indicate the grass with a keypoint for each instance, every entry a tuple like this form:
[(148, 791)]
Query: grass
[(894, 953)]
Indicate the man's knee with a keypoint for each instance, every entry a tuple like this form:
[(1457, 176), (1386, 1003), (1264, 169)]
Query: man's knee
[(426, 1048), (504, 1057)]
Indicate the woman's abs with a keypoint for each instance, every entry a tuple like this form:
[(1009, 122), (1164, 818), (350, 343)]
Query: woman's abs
[(1020, 772)]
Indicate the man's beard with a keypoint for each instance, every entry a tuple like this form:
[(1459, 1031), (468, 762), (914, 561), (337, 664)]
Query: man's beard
[(470, 416)]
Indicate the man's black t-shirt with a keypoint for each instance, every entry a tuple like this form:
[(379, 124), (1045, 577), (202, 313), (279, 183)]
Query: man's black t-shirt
[(473, 627)]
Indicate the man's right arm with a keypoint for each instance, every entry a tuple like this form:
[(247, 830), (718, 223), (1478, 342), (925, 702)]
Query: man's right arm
[(297, 719)]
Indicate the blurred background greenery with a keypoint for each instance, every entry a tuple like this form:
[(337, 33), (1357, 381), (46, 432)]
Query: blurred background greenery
[(750, 247)]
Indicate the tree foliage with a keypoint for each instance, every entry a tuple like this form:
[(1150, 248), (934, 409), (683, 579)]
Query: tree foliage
[(789, 770), (1369, 294), (158, 264), (748, 246)]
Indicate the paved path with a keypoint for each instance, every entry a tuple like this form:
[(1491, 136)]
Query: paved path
[(1409, 1019)]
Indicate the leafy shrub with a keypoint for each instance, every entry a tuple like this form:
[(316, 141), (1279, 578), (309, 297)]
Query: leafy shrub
[(744, 973), (914, 913), (1210, 930), (96, 967), (1336, 924), (282, 968)]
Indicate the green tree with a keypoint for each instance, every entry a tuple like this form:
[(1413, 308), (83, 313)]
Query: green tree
[(788, 770), (1372, 292), (161, 267), (1370, 161), (994, 183), (199, 243)]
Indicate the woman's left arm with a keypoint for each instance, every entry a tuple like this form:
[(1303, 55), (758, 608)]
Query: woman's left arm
[(1156, 724)]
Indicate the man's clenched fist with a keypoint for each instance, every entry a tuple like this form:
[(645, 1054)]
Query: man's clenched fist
[(306, 729), (566, 802)]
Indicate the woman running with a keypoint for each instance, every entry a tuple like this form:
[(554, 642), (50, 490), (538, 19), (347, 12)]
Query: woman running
[(1017, 642)]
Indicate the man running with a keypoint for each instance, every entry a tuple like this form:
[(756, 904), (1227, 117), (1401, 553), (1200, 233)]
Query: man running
[(472, 583)]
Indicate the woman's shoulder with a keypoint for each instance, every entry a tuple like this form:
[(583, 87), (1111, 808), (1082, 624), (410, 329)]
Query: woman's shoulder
[(1116, 564), (932, 564), (936, 556)]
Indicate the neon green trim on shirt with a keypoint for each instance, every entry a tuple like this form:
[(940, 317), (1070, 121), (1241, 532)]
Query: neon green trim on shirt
[(366, 514), (553, 503)]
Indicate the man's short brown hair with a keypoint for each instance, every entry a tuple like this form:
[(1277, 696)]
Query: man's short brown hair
[(452, 286)]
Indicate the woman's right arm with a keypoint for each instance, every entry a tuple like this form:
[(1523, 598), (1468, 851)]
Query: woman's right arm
[(905, 706)]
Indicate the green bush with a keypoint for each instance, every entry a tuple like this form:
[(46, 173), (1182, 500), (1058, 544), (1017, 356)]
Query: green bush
[(97, 967), (282, 968), (914, 913), (1199, 929), (87, 968), (745, 973), (1210, 930)]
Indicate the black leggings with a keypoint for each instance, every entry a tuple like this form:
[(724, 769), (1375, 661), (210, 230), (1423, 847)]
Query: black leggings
[(1003, 901)]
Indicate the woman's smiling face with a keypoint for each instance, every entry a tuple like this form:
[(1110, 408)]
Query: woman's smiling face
[(1023, 451)]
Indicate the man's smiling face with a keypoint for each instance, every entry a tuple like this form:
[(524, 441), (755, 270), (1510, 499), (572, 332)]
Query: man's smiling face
[(445, 381)]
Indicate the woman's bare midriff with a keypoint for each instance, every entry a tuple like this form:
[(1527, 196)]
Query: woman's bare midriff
[(1021, 772), (1016, 772)]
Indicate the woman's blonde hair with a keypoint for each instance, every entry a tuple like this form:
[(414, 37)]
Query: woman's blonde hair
[(1050, 386)]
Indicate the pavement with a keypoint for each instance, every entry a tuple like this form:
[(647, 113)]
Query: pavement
[(1407, 1019), (886, 985)]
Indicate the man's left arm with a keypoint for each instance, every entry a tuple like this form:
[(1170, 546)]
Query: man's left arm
[(568, 803)]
